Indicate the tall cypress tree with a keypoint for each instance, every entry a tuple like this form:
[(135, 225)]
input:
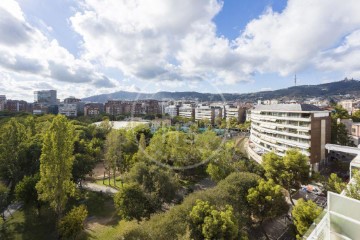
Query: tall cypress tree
[(56, 162)]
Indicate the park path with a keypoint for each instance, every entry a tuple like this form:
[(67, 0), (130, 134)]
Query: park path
[(11, 209), (99, 188)]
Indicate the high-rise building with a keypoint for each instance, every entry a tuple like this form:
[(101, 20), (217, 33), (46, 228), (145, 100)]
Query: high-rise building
[(45, 97), (280, 127), (2, 102)]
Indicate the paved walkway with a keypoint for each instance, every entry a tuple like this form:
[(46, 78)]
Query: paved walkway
[(99, 188), (11, 209)]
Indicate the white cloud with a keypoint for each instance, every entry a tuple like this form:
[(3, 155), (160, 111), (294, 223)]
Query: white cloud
[(175, 44), (176, 40), (27, 51), (292, 40)]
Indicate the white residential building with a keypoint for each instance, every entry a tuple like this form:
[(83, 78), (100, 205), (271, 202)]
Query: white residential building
[(204, 111), (280, 127), (172, 110), (187, 110), (68, 109)]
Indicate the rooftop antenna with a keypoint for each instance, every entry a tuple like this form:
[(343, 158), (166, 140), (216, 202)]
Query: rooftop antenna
[(295, 80)]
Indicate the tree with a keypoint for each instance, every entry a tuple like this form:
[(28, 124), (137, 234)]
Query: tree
[(228, 159), (353, 189), (267, 201), (114, 151), (158, 183), (73, 223), (343, 137), (289, 171), (356, 116), (4, 200), (13, 140), (335, 184), (56, 162), (25, 191), (304, 214), (206, 222), (132, 203)]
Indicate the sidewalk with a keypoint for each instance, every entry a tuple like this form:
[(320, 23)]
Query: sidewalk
[(99, 188)]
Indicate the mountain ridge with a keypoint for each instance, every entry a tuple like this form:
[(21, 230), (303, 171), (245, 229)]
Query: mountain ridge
[(331, 89)]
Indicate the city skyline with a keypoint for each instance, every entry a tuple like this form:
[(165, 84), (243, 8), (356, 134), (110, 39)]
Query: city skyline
[(84, 48)]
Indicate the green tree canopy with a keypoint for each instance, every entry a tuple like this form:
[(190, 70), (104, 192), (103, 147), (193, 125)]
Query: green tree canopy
[(304, 214), (267, 201), (132, 203), (289, 171), (353, 189), (13, 146), (158, 183), (335, 184), (206, 222), (73, 223), (56, 162)]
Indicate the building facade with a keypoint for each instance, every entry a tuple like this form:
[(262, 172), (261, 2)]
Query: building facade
[(280, 127), (172, 110), (93, 109), (45, 97), (187, 110), (68, 109), (2, 102), (206, 112), (15, 106)]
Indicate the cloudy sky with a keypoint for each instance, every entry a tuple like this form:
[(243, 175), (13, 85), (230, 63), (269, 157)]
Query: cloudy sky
[(88, 47)]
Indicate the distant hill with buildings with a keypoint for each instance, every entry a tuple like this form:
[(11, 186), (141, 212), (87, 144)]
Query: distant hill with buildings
[(333, 89)]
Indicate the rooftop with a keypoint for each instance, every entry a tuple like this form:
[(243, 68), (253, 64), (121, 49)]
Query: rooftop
[(289, 107)]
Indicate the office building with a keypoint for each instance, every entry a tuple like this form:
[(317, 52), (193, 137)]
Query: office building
[(45, 97), (280, 127)]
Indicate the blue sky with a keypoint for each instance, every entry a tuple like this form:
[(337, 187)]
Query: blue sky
[(90, 47)]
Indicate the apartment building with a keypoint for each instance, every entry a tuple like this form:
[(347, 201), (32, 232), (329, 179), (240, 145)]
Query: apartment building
[(350, 105), (16, 106), (187, 110), (68, 109), (172, 110), (93, 109), (237, 112), (280, 127), (2, 102), (204, 111)]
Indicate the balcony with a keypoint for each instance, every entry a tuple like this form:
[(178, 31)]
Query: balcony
[(286, 133), (271, 117), (304, 128)]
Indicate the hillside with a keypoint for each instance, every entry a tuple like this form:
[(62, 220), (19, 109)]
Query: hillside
[(343, 87)]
